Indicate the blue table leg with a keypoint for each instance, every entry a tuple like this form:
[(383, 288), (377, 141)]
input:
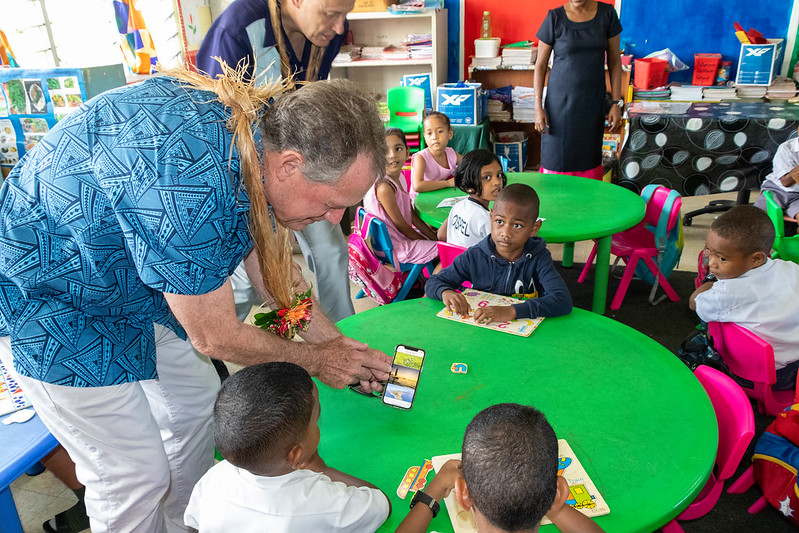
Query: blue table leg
[(568, 254), (601, 274), (9, 519)]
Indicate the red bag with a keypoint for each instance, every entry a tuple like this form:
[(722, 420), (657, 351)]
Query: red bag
[(379, 281)]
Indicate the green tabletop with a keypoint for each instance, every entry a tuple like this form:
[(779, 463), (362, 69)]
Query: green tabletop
[(636, 417), (575, 209)]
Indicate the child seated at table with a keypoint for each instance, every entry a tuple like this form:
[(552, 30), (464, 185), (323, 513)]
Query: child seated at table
[(783, 182), (507, 477), (753, 290), (433, 168), (512, 261), (413, 240), (479, 175), (272, 478)]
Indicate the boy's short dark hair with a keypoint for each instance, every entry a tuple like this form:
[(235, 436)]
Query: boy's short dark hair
[(510, 463), (438, 114), (261, 412), (399, 133), (748, 228), (521, 194), (467, 173)]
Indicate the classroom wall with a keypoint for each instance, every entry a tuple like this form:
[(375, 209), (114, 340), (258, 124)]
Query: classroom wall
[(688, 27)]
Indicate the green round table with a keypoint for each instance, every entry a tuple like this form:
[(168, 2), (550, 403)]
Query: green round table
[(638, 420), (575, 209)]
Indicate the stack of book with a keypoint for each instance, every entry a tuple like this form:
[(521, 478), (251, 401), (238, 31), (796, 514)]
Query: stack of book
[(722, 92), (686, 93), (519, 56), (419, 45), (658, 93), (781, 88), (523, 104), (751, 91), (497, 111), (382, 53), (347, 54), (486, 63)]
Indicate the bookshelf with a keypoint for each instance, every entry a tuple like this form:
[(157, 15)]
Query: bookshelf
[(382, 29)]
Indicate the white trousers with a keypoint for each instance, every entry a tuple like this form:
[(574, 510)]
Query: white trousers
[(140, 447), (325, 250)]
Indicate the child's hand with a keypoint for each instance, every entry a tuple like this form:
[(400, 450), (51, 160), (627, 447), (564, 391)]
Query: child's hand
[(444, 481), (456, 302), (494, 313), (791, 177)]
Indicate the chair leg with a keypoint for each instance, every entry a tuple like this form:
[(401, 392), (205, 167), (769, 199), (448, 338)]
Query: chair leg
[(410, 279), (743, 483), (662, 281), (587, 266), (629, 270), (758, 506), (672, 527), (9, 519)]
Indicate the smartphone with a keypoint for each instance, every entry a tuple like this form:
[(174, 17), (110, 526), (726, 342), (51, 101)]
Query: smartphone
[(400, 389)]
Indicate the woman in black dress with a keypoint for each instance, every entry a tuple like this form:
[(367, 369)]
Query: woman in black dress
[(572, 118)]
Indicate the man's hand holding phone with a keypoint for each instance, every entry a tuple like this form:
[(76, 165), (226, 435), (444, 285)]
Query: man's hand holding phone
[(400, 390)]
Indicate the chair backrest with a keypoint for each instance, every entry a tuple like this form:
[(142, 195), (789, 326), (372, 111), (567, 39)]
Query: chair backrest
[(662, 208), (448, 252), (405, 108), (747, 355), (734, 416), (784, 247), (662, 220), (376, 234)]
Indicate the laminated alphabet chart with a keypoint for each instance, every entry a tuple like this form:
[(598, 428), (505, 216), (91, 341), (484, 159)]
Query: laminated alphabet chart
[(521, 326), (583, 494), (11, 396)]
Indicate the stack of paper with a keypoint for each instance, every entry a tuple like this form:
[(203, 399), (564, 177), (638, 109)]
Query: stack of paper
[(486, 63), (519, 55), (388, 52), (497, 111), (781, 88), (523, 104), (419, 45), (347, 54), (658, 93), (686, 93), (751, 91), (719, 93)]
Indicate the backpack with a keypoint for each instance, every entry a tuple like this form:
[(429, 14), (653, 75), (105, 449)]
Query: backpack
[(669, 243), (379, 281), (775, 462)]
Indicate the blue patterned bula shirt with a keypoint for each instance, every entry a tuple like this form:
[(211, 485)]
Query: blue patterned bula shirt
[(129, 197)]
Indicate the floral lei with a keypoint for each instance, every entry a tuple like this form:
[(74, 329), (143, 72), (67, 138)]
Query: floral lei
[(287, 322)]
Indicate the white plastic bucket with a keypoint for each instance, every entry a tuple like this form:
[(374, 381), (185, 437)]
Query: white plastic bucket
[(486, 47)]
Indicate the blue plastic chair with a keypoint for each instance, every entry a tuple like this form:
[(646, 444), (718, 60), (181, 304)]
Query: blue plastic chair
[(380, 243)]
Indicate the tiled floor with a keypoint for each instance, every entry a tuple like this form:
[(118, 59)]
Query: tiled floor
[(39, 498)]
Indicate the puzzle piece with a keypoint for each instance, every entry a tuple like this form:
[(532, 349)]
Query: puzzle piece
[(414, 479), (459, 368)]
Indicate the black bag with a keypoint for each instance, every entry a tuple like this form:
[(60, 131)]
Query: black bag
[(697, 349)]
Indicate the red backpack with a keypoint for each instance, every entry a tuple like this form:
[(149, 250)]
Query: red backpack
[(379, 281)]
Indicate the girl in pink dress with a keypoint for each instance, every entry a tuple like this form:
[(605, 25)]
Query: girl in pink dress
[(434, 167), (388, 200)]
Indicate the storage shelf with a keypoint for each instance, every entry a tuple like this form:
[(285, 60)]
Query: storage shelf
[(375, 15), (383, 63)]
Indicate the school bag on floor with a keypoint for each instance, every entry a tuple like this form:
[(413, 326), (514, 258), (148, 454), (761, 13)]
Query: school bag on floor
[(669, 244), (776, 461), (379, 281)]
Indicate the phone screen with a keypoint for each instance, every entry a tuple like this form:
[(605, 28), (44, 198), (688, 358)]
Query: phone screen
[(401, 387)]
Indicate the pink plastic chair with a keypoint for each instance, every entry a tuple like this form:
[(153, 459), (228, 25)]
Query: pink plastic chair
[(736, 429), (639, 243), (447, 253), (751, 358)]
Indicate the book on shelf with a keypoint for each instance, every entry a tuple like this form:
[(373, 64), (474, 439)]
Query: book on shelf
[(486, 62)]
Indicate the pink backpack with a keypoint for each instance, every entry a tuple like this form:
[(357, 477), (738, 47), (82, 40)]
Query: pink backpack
[(379, 281)]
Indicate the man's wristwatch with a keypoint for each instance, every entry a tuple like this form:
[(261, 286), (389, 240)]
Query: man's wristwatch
[(421, 497), (620, 103)]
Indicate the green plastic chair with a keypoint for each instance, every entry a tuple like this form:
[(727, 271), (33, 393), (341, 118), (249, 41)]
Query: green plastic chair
[(406, 112), (784, 247)]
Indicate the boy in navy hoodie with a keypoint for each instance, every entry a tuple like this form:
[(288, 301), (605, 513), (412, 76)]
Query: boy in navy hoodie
[(512, 261)]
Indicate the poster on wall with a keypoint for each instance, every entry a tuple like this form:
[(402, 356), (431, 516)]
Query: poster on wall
[(65, 95), (25, 97), (9, 154)]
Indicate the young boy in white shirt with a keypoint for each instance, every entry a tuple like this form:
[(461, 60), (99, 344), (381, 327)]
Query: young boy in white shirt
[(753, 290), (782, 182), (272, 478)]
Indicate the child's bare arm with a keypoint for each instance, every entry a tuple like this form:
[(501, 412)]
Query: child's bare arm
[(706, 286), (495, 313), (570, 520), (385, 195), (791, 177), (422, 226), (316, 464), (419, 517), (442, 232)]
